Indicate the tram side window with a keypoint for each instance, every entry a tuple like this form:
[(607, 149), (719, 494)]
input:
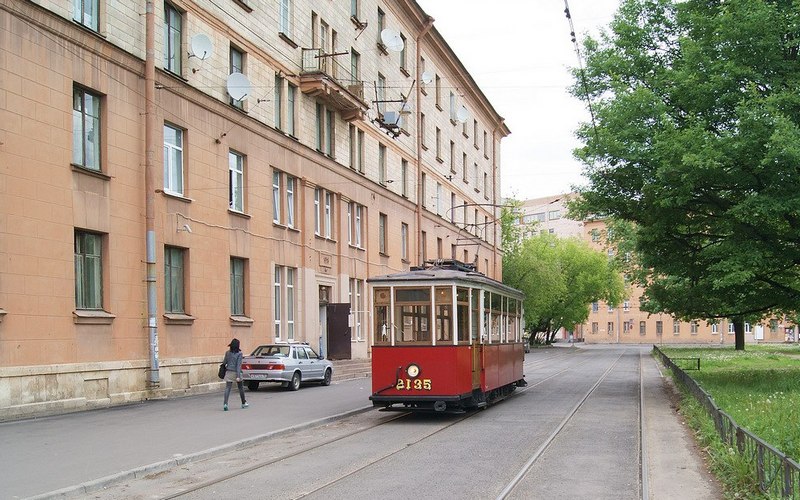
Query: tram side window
[(444, 314), (462, 316), (497, 316), (382, 331), (476, 314), (412, 315), (513, 321)]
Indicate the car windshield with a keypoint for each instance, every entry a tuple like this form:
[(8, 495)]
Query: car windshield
[(271, 350)]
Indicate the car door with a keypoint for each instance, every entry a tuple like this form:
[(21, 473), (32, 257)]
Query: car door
[(314, 363), (303, 363)]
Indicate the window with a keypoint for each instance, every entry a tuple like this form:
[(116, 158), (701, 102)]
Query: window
[(328, 214), (355, 66), (237, 286), (356, 293), (381, 26), (86, 12), (694, 327), (439, 248), (554, 214), (285, 16), (595, 307), (773, 326), (291, 97), (290, 272), (172, 39), (237, 66), (475, 133), (659, 327), (731, 328), (382, 164), (626, 327), (88, 270), (424, 189), (438, 144), (290, 184), (626, 306), (403, 51), (276, 197), (486, 185), (676, 327), (236, 181), (714, 328), (404, 241), (475, 175), (323, 215), (464, 175), (325, 129), (438, 82), (382, 248), (452, 207), (381, 90), (356, 139), (422, 131), (452, 107), (485, 138), (174, 301), (595, 327), (610, 327), (85, 129), (404, 178), (424, 245), (277, 302), (355, 8), (355, 224), (452, 157), (595, 234), (173, 160), (421, 71), (278, 99), (439, 198), (642, 328)]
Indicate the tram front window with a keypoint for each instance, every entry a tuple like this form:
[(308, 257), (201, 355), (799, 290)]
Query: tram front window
[(383, 335), (412, 315)]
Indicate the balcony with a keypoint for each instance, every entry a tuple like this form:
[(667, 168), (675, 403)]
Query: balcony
[(322, 77)]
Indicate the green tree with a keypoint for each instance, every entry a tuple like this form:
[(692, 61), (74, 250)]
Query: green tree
[(695, 142), (560, 277)]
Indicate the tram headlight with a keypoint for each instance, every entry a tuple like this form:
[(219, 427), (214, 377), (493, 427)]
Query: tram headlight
[(412, 370)]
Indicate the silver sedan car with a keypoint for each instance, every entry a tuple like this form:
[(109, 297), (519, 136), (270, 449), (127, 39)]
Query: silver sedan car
[(288, 364)]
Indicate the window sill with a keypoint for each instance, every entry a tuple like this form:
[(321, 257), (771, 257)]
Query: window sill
[(424, 147), (383, 254), (238, 213), (88, 171), (477, 190), (404, 71), (423, 91), (92, 317), (293, 229), (320, 237), (382, 48), (466, 136), (438, 106), (477, 148), (439, 160), (174, 196), (355, 247), (178, 319), (283, 36), (244, 5), (453, 122), (241, 321)]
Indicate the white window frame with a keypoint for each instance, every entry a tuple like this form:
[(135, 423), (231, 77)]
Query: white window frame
[(276, 196), (291, 183), (173, 160), (285, 17), (236, 181)]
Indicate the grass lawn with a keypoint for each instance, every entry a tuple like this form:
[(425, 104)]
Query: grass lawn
[(759, 387)]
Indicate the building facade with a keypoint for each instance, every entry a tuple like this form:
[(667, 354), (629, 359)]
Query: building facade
[(195, 171)]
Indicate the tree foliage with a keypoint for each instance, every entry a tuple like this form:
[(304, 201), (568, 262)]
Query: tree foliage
[(560, 277), (696, 144)]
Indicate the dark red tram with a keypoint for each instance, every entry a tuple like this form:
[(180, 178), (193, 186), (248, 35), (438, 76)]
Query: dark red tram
[(447, 338)]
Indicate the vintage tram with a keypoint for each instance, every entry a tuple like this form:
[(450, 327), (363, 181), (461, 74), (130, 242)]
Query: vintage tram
[(446, 338)]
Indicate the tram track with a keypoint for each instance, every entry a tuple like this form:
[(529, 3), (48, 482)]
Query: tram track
[(570, 416)]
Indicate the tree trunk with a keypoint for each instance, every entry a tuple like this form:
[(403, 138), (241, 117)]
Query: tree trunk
[(738, 330)]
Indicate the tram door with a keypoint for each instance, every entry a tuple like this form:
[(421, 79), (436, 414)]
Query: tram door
[(338, 331), (477, 353)]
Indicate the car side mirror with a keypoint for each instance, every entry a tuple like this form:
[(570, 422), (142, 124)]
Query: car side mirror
[(320, 357)]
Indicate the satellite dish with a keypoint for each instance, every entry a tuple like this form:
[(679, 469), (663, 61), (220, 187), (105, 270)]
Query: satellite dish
[(462, 115), (201, 46), (238, 86), (427, 77), (392, 40)]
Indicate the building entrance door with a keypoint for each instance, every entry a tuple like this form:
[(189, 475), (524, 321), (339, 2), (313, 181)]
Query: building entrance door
[(338, 331)]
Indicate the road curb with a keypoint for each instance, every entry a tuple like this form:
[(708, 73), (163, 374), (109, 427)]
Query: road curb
[(145, 470)]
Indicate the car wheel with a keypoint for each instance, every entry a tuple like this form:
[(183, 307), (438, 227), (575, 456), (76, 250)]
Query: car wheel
[(295, 383), (326, 380), (252, 385)]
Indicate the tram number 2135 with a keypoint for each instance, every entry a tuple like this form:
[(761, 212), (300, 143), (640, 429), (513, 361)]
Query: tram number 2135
[(418, 384)]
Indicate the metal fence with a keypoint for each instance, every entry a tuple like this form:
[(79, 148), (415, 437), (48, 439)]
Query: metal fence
[(776, 475)]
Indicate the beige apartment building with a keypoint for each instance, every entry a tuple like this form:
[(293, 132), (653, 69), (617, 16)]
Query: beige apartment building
[(176, 174), (625, 323)]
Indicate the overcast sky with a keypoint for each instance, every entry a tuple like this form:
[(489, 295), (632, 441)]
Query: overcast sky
[(519, 52)]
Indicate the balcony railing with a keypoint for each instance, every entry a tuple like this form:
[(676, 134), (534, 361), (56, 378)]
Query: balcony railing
[(332, 83)]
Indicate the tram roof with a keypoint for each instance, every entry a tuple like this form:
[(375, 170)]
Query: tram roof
[(447, 272)]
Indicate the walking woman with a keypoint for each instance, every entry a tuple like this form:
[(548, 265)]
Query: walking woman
[(233, 372)]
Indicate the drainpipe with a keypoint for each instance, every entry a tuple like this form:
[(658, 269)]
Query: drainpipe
[(149, 188), (418, 75)]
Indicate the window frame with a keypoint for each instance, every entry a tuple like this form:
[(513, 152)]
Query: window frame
[(173, 56), (174, 280), (88, 267), (173, 153), (236, 181), (238, 290), (87, 127), (79, 14)]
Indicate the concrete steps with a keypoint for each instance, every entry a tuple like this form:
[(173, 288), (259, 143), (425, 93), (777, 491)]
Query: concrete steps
[(347, 369)]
